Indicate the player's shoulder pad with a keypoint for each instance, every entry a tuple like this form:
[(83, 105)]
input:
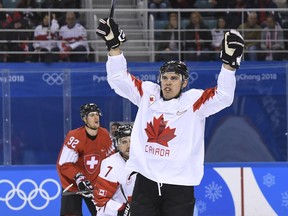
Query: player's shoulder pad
[(77, 133), (104, 132)]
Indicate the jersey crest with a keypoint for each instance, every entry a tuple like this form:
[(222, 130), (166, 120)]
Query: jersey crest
[(158, 132), (91, 162)]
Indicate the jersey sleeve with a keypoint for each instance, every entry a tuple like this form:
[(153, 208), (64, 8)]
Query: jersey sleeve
[(217, 98), (105, 188), (123, 83), (69, 155)]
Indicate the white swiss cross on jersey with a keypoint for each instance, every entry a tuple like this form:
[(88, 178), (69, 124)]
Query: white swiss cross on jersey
[(91, 162)]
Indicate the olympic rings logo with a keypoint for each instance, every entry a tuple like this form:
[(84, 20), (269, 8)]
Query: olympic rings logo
[(53, 78), (21, 194), (193, 76)]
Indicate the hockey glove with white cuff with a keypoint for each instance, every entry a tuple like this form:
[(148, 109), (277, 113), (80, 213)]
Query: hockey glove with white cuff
[(84, 185), (111, 33), (232, 48)]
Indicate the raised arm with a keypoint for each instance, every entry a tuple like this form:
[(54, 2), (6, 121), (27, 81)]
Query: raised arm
[(110, 32), (114, 52), (232, 49), (215, 99)]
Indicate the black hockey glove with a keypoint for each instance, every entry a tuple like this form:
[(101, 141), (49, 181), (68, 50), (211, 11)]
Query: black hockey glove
[(111, 33), (124, 210), (84, 186), (232, 48)]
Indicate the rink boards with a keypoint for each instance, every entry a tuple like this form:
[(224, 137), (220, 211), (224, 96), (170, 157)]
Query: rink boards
[(226, 189)]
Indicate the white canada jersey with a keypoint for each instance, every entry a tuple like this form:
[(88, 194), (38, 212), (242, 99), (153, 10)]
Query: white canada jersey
[(167, 140), (108, 195), (45, 37), (75, 36)]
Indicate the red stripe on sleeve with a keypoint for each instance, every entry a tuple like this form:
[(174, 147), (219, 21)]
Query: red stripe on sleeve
[(138, 84), (206, 95)]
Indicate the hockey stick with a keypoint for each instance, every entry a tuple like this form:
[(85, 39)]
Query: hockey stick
[(67, 188), (81, 193), (113, 2), (67, 193), (127, 210)]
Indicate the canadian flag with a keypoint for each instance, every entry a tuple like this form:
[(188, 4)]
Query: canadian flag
[(102, 192)]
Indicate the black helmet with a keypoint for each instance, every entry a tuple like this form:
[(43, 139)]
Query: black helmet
[(123, 131), (175, 66), (87, 108)]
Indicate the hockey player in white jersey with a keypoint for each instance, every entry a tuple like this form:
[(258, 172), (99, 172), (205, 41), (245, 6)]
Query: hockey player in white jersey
[(167, 142), (114, 185)]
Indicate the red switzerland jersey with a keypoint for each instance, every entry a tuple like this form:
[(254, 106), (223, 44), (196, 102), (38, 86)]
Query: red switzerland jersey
[(80, 153)]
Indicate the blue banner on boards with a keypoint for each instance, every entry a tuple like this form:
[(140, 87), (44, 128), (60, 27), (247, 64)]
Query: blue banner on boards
[(226, 190), (90, 79)]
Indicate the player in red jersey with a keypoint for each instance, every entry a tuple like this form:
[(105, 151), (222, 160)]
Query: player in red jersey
[(80, 159)]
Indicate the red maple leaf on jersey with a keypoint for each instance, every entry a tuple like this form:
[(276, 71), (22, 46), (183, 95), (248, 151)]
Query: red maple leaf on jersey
[(158, 132)]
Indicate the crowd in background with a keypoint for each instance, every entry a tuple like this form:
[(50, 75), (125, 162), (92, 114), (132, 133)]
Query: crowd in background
[(265, 32), (60, 36), (56, 36)]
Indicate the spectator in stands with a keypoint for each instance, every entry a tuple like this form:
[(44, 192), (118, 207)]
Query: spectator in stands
[(272, 40), (18, 40), (159, 4), (32, 18), (57, 4), (73, 43), (262, 15), (197, 39), (217, 36), (251, 32), (45, 36), (169, 41)]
